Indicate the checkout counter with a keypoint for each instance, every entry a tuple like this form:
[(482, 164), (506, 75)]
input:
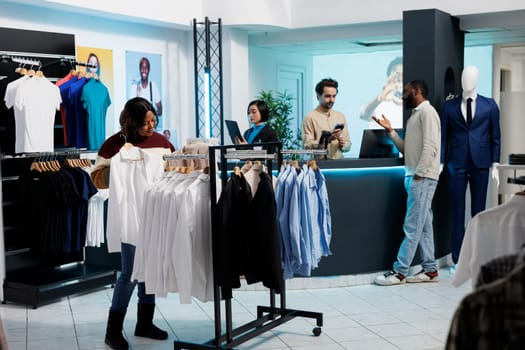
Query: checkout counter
[(367, 204)]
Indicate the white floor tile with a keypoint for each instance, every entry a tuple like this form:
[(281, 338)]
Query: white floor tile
[(350, 334), (375, 318), (91, 342), (48, 332), (95, 330), (420, 342), (16, 335), (410, 316), (17, 345), (54, 343), (394, 330), (264, 341), (376, 344)]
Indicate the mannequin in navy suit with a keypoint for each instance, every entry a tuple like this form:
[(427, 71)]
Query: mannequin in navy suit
[(468, 149)]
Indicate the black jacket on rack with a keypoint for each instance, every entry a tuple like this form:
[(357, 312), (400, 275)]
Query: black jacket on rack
[(58, 203), (248, 241), (265, 253), (234, 225), (46, 195)]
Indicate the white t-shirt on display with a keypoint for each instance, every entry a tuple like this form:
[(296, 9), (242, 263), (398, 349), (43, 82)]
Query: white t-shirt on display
[(35, 101)]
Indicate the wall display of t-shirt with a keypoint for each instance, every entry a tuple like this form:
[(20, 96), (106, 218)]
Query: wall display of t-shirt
[(98, 97), (85, 99), (144, 79)]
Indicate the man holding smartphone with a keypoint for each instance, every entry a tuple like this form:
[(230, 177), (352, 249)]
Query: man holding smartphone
[(325, 127)]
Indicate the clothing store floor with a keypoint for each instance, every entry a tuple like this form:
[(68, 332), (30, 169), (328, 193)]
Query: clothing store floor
[(408, 316)]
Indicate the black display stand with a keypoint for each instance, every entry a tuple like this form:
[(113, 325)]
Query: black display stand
[(32, 279), (36, 286), (268, 317)]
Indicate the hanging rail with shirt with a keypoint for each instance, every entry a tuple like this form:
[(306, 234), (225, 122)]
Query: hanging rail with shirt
[(268, 317)]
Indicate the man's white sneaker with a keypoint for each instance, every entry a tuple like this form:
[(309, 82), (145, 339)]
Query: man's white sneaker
[(390, 278), (424, 276)]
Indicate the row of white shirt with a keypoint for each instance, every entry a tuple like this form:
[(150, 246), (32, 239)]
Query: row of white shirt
[(174, 251)]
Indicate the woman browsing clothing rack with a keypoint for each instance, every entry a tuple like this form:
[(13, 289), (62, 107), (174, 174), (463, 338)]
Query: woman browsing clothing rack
[(138, 121)]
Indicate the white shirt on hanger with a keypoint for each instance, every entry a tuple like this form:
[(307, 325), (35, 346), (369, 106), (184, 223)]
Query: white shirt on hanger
[(132, 170), (95, 219), (192, 251)]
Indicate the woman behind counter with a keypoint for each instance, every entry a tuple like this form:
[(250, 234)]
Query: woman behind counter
[(260, 130)]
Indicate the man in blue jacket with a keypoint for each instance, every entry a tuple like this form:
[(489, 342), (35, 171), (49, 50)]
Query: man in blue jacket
[(470, 145)]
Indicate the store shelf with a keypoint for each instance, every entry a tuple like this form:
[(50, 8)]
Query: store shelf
[(37, 285)]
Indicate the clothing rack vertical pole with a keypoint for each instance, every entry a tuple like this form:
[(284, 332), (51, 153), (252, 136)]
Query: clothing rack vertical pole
[(216, 291), (268, 317)]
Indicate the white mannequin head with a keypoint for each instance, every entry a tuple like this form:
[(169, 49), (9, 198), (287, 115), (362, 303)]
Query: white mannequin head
[(469, 79)]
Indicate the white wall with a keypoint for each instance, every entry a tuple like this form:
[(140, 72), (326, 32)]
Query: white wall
[(239, 12), (174, 12), (236, 77), (263, 70), (311, 13), (512, 103), (512, 125)]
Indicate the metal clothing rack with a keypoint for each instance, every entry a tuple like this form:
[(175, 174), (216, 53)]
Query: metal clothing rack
[(21, 60), (311, 152), (184, 156), (268, 317), (22, 160), (319, 152), (33, 59)]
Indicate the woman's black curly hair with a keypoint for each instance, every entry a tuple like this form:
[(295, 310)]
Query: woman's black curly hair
[(132, 117)]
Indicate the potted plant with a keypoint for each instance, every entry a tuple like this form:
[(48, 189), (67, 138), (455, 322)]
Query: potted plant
[(280, 110)]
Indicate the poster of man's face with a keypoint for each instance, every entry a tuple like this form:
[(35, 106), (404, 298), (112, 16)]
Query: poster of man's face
[(144, 79)]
